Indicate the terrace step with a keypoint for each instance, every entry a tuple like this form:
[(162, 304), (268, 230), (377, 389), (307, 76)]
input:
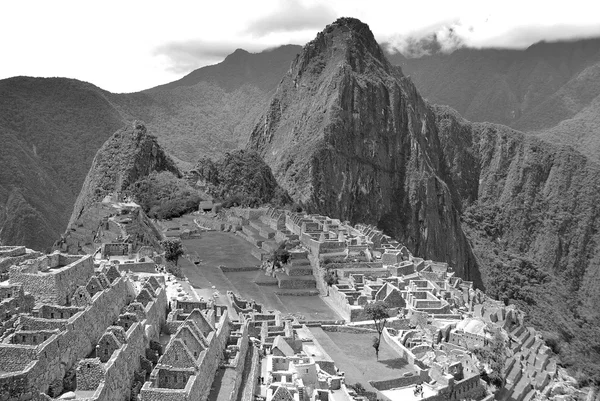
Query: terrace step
[(260, 254), (300, 282), (299, 262), (292, 270), (269, 245)]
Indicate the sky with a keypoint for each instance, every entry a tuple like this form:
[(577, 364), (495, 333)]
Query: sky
[(131, 45)]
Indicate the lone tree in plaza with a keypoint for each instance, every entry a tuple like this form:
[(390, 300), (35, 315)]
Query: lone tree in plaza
[(173, 249), (279, 256), (330, 277), (378, 312)]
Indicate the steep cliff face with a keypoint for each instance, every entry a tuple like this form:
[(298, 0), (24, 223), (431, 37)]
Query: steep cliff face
[(535, 204), (348, 135), (130, 154)]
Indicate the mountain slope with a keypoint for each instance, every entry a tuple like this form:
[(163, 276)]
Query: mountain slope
[(126, 158), (348, 136), (50, 129), (31, 202), (500, 85), (62, 123), (262, 70), (534, 229)]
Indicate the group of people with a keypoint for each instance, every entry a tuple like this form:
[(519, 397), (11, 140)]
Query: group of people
[(261, 380)]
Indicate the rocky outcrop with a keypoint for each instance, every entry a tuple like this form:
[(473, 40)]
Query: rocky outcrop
[(347, 135), (130, 154)]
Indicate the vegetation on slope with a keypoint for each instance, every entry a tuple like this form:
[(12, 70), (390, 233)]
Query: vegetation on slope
[(532, 221), (163, 195), (243, 178), (129, 155), (63, 122), (511, 87)]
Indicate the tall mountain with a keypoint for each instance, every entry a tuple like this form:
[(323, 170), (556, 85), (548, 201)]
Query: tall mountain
[(348, 135), (52, 128)]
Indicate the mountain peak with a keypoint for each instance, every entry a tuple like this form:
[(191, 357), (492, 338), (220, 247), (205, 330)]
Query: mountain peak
[(347, 41), (236, 56)]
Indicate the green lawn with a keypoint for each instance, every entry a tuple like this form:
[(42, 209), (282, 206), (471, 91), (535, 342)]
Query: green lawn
[(355, 356), (216, 248)]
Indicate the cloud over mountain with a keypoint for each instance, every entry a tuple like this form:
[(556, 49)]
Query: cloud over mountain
[(292, 15)]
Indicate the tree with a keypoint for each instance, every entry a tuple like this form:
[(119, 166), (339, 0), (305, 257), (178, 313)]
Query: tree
[(330, 278), (279, 256), (376, 346), (378, 312), (173, 249)]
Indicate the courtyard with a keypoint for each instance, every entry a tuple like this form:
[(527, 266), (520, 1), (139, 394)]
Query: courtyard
[(355, 356), (217, 248)]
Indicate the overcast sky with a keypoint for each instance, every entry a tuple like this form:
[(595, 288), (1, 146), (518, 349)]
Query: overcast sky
[(130, 45)]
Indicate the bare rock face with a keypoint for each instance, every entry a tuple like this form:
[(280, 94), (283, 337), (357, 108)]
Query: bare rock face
[(347, 135), (130, 154)]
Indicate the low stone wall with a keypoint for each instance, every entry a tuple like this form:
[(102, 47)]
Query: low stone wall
[(403, 381), (348, 329), (139, 267), (404, 352), (250, 386), (240, 362)]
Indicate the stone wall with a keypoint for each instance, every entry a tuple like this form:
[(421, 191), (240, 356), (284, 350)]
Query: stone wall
[(60, 352), (120, 368), (403, 381), (54, 286), (254, 371), (404, 352), (198, 386), (240, 361)]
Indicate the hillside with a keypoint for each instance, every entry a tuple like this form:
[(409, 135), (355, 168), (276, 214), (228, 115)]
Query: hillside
[(128, 157), (348, 135), (501, 85), (31, 202), (50, 130), (60, 124), (534, 90)]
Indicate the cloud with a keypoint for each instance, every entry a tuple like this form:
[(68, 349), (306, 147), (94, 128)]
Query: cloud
[(291, 16), (185, 56), (444, 37), (447, 36)]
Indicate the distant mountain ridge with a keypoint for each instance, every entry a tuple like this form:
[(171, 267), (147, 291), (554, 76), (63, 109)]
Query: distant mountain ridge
[(549, 89), (263, 70), (60, 123)]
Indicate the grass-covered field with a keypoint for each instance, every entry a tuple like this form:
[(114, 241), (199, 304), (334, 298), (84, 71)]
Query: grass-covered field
[(216, 249), (355, 356)]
